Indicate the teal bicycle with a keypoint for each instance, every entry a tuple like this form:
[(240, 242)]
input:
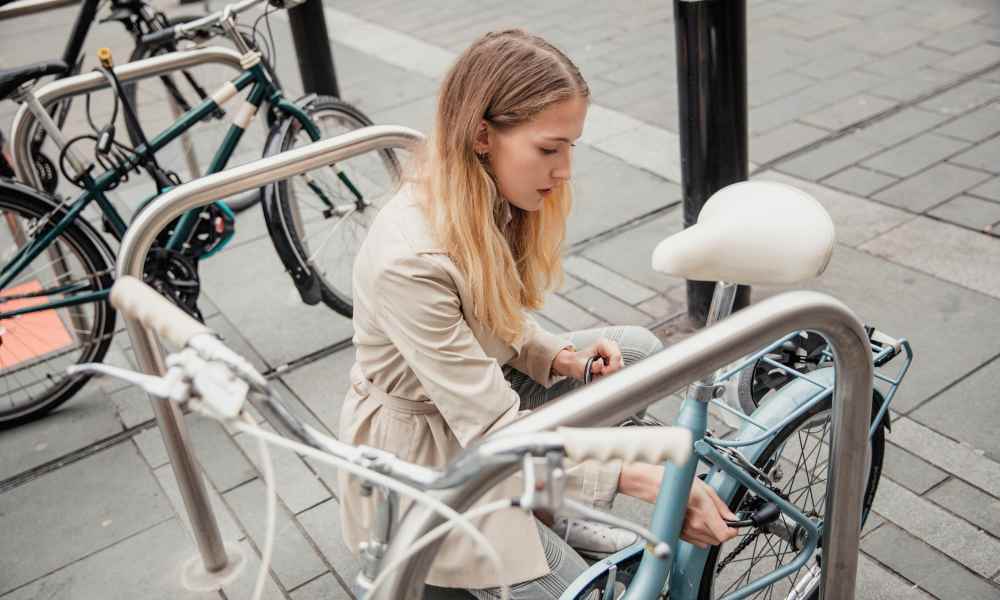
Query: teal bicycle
[(57, 268)]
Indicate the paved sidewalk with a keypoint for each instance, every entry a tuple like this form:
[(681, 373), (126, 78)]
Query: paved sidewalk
[(888, 111)]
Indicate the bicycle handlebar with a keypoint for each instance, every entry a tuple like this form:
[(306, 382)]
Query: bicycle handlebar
[(139, 301), (170, 33)]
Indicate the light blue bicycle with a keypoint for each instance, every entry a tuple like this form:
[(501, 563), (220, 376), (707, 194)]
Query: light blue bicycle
[(772, 469)]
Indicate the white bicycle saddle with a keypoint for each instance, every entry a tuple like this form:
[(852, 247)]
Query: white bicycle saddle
[(752, 232)]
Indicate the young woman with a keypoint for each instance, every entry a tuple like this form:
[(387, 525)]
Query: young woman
[(446, 352)]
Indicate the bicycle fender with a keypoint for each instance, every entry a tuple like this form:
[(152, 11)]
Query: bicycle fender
[(305, 280)]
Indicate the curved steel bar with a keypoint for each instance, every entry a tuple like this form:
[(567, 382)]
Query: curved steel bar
[(23, 8), (132, 255), (83, 83), (614, 398)]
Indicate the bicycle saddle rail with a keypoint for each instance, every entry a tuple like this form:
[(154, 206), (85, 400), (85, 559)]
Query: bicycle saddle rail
[(141, 235), (610, 400), (20, 136)]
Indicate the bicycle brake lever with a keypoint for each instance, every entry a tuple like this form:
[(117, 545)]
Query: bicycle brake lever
[(161, 387)]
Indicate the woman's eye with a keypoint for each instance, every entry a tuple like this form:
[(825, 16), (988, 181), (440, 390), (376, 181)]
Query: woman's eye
[(549, 150)]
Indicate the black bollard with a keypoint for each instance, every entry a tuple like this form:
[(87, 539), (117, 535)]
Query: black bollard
[(312, 48), (712, 97)]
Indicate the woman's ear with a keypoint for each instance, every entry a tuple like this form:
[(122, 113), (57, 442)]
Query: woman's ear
[(484, 137)]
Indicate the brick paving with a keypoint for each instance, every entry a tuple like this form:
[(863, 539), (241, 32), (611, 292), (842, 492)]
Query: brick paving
[(888, 111)]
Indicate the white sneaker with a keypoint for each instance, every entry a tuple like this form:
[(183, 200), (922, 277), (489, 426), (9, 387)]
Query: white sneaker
[(591, 539)]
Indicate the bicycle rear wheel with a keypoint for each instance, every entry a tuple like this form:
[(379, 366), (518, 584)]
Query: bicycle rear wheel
[(36, 347), (319, 209), (797, 459)]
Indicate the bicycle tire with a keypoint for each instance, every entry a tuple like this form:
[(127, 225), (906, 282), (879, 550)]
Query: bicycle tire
[(301, 213), (33, 347), (767, 461)]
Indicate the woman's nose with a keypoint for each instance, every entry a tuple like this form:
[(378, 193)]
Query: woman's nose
[(563, 171)]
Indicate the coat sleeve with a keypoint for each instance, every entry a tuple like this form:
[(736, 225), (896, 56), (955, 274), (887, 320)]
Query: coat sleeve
[(420, 312), (538, 350)]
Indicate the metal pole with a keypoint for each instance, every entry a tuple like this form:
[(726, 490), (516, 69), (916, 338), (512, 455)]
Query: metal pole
[(312, 48), (712, 97), (139, 239), (30, 7), (610, 400)]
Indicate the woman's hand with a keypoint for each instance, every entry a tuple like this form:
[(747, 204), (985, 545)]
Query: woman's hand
[(572, 364), (703, 518)]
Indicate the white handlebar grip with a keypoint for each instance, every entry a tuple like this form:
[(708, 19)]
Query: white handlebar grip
[(631, 444), (140, 302)]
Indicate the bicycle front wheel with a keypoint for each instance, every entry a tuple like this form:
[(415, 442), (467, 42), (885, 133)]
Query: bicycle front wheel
[(36, 346), (797, 460), (327, 212)]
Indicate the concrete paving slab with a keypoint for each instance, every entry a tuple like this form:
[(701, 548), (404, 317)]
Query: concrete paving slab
[(965, 411), (823, 161), (149, 443), (931, 187), (654, 149), (228, 528), (960, 460), (298, 487), (970, 212), (969, 503), (859, 181), (133, 405), (989, 190), (975, 126), (911, 472), (271, 316), (915, 85), (963, 98), (915, 155), (619, 253), (607, 307), (877, 582), (613, 193), (605, 279), (146, 565), (243, 586), (322, 524), (848, 112), (78, 516), (942, 250), (321, 386), (783, 140), (568, 314), (900, 126), (220, 457), (84, 419), (923, 565), (958, 539), (295, 561), (325, 587), (981, 157)]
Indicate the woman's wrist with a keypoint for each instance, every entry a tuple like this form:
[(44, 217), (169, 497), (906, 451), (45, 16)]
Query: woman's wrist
[(640, 480), (564, 362)]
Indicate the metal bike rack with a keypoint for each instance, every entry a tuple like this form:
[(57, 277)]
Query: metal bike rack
[(84, 83), (30, 7), (139, 239), (611, 400)]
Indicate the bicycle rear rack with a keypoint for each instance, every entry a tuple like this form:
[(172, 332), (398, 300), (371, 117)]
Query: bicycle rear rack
[(880, 353)]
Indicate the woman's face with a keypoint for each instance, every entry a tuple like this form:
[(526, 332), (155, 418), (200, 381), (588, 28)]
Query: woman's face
[(531, 159)]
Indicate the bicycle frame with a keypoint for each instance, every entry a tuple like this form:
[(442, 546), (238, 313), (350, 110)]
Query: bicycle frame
[(726, 475), (261, 89)]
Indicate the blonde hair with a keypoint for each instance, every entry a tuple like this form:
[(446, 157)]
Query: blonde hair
[(506, 78)]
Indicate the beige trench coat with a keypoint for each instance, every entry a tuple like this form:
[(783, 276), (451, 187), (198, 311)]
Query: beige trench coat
[(428, 381)]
